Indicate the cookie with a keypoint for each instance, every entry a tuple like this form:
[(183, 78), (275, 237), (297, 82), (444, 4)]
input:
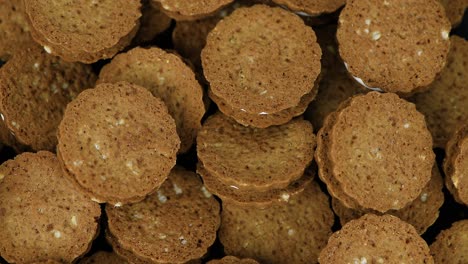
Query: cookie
[(35, 88), (166, 76), (421, 213), (232, 260), (445, 103), (85, 31), (276, 60), (191, 10), (450, 246), (103, 257), (292, 232), (381, 151), (174, 225), (456, 164), (43, 216), (14, 28), (255, 159), (390, 50), (232, 194), (120, 149), (455, 10), (311, 8), (376, 239), (152, 22)]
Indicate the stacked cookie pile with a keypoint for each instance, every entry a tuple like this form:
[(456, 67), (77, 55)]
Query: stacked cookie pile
[(223, 131)]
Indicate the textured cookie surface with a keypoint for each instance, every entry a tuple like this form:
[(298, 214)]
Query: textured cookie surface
[(103, 257), (381, 151), (176, 224), (393, 50), (232, 260), (258, 159), (83, 30), (312, 7), (14, 28), (35, 88), (167, 77), (456, 164), (292, 232), (455, 10), (451, 245), (376, 239), (190, 10), (276, 58), (445, 103), (43, 216), (119, 149)]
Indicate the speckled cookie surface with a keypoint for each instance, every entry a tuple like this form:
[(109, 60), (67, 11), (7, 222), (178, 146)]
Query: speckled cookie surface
[(276, 58), (152, 22), (103, 257), (381, 151), (313, 8), (455, 10), (292, 232), (232, 260), (255, 159), (120, 149), (420, 213), (376, 239), (35, 88), (393, 50), (83, 30), (191, 10), (167, 77), (456, 164), (43, 216), (14, 28), (445, 103), (176, 224), (451, 245), (235, 195)]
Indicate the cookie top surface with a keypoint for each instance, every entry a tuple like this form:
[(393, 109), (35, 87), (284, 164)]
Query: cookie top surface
[(392, 50), (276, 58), (313, 8), (376, 239), (176, 224), (120, 149), (450, 246), (103, 257), (445, 103), (381, 151), (35, 88), (292, 232), (232, 260), (250, 158), (43, 216), (14, 27), (82, 26), (167, 77), (190, 10)]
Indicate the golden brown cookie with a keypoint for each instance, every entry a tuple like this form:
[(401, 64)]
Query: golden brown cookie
[(120, 149), (455, 10), (311, 8), (191, 10), (390, 50), (83, 30), (14, 28), (103, 257), (456, 164), (445, 103), (451, 245), (166, 76), (232, 260), (43, 216)]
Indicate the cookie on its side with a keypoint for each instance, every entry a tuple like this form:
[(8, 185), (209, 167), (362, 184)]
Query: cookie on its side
[(450, 246)]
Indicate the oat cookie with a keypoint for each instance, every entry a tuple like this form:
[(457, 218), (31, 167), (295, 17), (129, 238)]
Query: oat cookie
[(456, 164), (311, 8), (232, 260), (451, 245), (14, 28)]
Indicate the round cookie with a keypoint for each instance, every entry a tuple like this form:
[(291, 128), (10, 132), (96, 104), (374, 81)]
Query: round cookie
[(176, 224), (127, 255), (120, 149), (292, 232), (445, 103), (103, 257), (191, 10), (421, 213), (312, 8), (43, 216), (451, 245), (166, 76), (376, 239), (455, 10), (232, 260), (390, 50), (456, 164), (381, 151), (83, 30), (276, 59), (35, 88), (255, 159), (152, 22), (14, 28), (232, 194)]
